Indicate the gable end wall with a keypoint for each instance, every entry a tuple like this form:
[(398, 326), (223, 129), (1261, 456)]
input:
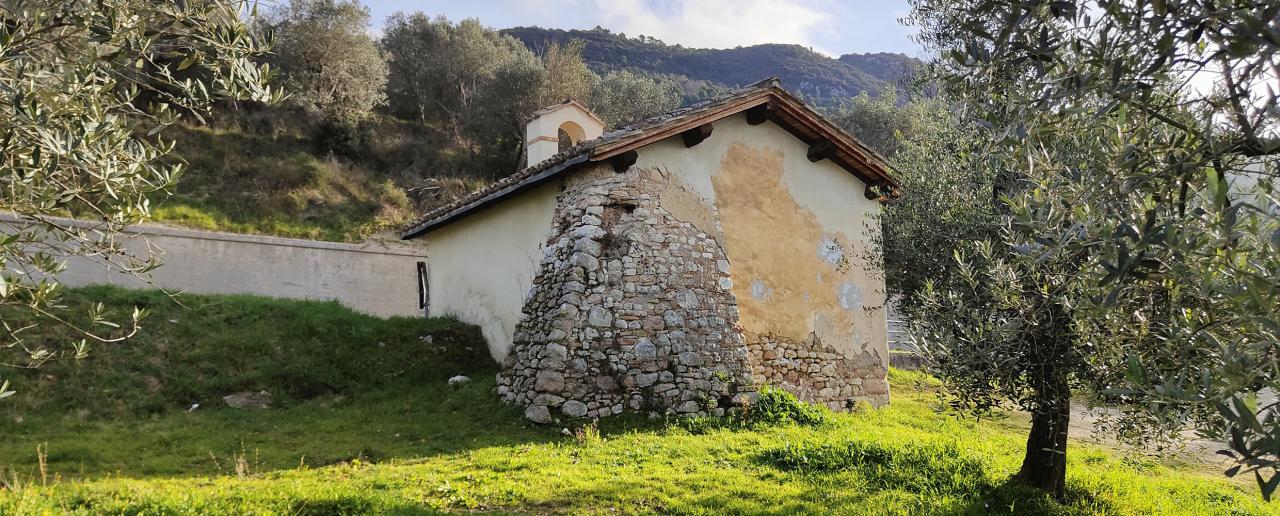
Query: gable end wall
[(684, 283), (798, 238)]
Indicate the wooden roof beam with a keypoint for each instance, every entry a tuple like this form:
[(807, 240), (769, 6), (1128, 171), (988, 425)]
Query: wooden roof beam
[(695, 136), (759, 114), (820, 150)]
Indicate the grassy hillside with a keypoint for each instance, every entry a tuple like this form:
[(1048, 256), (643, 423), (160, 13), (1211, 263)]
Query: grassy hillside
[(252, 183), (287, 182), (194, 349), (365, 422), (801, 70)]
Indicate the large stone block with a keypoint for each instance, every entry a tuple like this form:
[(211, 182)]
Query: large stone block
[(549, 381)]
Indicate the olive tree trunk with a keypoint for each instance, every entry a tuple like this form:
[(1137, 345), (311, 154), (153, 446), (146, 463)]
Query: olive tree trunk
[(1045, 464)]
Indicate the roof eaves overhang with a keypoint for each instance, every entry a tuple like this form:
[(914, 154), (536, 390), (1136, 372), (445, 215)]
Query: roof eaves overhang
[(563, 104), (863, 162), (851, 154), (495, 196), (612, 149)]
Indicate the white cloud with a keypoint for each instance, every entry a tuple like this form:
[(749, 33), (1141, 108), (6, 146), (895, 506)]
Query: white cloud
[(719, 23)]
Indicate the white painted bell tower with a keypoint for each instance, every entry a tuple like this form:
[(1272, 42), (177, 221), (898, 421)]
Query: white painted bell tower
[(543, 133)]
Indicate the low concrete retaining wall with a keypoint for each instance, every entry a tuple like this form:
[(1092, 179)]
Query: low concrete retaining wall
[(374, 278)]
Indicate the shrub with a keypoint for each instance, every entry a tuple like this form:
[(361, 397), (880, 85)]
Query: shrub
[(779, 407), (773, 407)]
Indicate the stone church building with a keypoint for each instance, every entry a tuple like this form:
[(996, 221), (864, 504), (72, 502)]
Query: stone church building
[(675, 265)]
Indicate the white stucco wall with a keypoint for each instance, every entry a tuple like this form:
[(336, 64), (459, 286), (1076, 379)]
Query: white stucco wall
[(482, 266), (797, 244), (374, 278)]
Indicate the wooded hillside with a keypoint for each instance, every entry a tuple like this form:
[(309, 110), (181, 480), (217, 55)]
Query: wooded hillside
[(801, 69)]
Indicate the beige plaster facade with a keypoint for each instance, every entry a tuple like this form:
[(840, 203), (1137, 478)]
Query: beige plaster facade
[(796, 232)]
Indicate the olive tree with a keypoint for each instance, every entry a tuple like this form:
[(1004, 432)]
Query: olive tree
[(990, 313), (566, 74), (88, 88), (484, 85), (625, 96), (882, 121), (326, 59), (498, 121), (1123, 126), (438, 69), (947, 182)]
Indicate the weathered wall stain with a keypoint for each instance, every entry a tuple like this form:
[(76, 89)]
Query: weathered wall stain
[(684, 203), (801, 297), (780, 249)]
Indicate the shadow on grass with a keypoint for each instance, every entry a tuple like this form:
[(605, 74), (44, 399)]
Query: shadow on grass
[(1014, 497), (916, 475), (383, 426), (821, 493)]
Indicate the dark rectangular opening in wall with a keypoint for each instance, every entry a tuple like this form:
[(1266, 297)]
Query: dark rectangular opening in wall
[(424, 295)]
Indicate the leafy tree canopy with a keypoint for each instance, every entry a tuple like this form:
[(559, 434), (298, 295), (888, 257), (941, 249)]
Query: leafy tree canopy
[(326, 59), (624, 97)]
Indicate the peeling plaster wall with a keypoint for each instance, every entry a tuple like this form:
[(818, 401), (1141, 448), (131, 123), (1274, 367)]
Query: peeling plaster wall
[(481, 267), (796, 234)]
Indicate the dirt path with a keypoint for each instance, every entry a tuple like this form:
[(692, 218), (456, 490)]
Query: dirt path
[(1194, 449)]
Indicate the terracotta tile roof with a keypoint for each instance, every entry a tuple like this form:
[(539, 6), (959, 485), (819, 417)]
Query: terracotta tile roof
[(783, 108)]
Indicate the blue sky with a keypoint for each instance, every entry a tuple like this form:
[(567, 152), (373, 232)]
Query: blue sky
[(829, 26)]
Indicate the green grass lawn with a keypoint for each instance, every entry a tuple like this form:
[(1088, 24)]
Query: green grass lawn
[(381, 432)]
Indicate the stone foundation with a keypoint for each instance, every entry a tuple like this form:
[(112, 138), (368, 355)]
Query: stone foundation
[(817, 373), (632, 309)]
